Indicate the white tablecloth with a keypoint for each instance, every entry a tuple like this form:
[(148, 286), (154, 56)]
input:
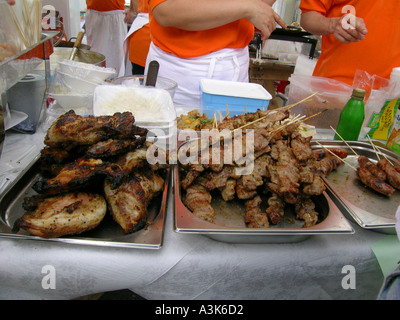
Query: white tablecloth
[(187, 266)]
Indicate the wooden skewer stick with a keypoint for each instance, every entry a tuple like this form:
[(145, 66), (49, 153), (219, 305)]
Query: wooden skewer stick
[(336, 156), (215, 120), (314, 115), (344, 141), (296, 103), (373, 147), (286, 124), (377, 151)]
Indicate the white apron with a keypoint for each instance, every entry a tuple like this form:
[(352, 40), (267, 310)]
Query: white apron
[(225, 64), (140, 20), (105, 32)]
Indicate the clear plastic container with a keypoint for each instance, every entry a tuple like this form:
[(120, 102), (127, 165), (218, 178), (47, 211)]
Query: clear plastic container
[(332, 96), (140, 80)]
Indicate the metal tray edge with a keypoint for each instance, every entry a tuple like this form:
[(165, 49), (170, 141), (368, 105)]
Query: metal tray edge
[(161, 218)]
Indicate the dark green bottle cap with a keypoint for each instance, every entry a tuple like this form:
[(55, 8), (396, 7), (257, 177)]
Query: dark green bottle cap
[(358, 94)]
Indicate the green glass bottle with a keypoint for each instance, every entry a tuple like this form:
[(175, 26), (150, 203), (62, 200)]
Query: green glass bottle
[(352, 117)]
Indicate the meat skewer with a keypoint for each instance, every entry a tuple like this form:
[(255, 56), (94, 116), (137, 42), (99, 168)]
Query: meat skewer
[(393, 176), (254, 217), (374, 183)]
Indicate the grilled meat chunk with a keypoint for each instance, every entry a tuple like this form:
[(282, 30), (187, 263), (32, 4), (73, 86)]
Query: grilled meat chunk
[(364, 162), (254, 217), (67, 214), (392, 175), (374, 183), (128, 203), (198, 200), (276, 208), (114, 147), (79, 174), (319, 154), (70, 129), (305, 210)]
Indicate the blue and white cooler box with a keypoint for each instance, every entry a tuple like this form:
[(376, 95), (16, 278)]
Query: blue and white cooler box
[(218, 96)]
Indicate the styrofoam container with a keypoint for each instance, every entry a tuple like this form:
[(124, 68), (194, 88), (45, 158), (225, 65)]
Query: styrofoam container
[(86, 71), (216, 95), (150, 106)]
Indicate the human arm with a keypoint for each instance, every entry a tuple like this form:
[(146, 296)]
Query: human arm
[(317, 24), (194, 15), (132, 11)]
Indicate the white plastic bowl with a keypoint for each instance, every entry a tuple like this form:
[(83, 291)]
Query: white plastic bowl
[(67, 84), (86, 71), (81, 104)]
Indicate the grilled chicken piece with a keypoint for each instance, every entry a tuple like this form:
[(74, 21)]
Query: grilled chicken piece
[(70, 129), (133, 160), (254, 217), (198, 200), (114, 147), (374, 183), (67, 214), (79, 174), (128, 203)]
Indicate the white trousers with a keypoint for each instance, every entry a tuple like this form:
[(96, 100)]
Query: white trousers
[(225, 64), (106, 32)]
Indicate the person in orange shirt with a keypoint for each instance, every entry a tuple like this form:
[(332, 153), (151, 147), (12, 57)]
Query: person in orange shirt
[(367, 40), (106, 31), (193, 39), (139, 36)]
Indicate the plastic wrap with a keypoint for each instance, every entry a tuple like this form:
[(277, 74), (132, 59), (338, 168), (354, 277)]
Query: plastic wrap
[(86, 71), (67, 84)]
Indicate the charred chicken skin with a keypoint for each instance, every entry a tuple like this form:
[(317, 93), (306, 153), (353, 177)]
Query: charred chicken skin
[(128, 203), (62, 215), (70, 129)]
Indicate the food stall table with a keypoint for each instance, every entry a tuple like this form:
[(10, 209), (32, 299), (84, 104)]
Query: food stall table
[(186, 266)]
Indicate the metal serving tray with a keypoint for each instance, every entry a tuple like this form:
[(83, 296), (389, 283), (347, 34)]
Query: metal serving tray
[(107, 234), (366, 207), (229, 224)]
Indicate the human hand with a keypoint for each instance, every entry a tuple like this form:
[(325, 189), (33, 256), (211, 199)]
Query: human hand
[(129, 15), (264, 18), (349, 29)]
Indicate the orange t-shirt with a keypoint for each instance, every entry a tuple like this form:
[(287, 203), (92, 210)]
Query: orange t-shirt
[(139, 42), (106, 5), (187, 44), (377, 54)]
